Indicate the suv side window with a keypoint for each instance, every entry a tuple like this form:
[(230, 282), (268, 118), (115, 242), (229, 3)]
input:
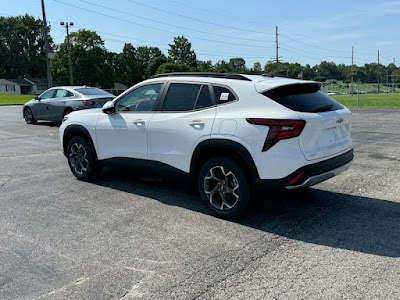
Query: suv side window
[(204, 99), (223, 95), (186, 96), (141, 99)]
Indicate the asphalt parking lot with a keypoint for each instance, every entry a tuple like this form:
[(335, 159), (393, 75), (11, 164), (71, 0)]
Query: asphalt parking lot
[(134, 236)]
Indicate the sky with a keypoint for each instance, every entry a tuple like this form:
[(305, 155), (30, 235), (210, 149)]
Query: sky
[(308, 31)]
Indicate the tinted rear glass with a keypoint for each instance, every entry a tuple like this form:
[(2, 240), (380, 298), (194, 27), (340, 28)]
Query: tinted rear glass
[(303, 98), (93, 91), (181, 97), (223, 95)]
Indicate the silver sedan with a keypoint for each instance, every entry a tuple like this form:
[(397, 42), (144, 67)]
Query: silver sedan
[(56, 102)]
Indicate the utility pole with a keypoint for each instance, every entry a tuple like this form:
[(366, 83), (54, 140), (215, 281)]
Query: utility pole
[(47, 48), (352, 73), (71, 80), (277, 52), (378, 73)]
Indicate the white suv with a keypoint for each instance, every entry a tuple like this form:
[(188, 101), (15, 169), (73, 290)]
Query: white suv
[(231, 132)]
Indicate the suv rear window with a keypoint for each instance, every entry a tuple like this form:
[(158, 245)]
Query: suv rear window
[(303, 98)]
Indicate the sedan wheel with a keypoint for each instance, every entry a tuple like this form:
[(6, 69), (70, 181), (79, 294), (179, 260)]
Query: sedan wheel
[(28, 116)]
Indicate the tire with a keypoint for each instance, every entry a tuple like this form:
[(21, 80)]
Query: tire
[(81, 159), (28, 116), (224, 187), (67, 111)]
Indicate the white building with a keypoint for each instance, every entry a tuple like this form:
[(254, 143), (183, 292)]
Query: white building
[(23, 86)]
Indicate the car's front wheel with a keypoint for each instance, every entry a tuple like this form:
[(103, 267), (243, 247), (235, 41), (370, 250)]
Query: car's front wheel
[(224, 187), (81, 159), (28, 116)]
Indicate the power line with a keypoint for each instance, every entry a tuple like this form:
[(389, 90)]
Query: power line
[(169, 24), (311, 52), (307, 44), (214, 54), (198, 20), (223, 15), (158, 29)]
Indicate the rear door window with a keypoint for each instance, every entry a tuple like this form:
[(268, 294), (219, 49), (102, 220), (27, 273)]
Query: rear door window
[(186, 97), (303, 98)]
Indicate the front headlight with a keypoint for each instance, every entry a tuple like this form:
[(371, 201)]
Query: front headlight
[(65, 119)]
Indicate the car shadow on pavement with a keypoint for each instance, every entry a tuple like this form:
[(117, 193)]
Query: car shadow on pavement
[(314, 216), (48, 123)]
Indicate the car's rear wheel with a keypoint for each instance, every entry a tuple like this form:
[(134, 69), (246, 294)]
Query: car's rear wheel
[(81, 159), (28, 116), (67, 111), (224, 187)]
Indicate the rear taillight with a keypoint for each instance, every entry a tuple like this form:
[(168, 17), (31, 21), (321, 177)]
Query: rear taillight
[(278, 129), (90, 102)]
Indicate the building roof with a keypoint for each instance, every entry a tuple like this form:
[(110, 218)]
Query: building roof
[(37, 80), (24, 82), (21, 82)]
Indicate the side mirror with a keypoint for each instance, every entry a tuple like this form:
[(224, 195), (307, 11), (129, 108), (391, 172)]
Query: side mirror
[(109, 107), (37, 98)]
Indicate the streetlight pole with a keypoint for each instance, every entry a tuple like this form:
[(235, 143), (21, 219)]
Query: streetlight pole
[(71, 80), (46, 45)]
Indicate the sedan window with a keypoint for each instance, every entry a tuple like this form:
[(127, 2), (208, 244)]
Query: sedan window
[(47, 94), (61, 93)]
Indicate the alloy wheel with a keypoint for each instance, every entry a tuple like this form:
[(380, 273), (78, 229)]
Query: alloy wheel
[(222, 188), (28, 115), (78, 158)]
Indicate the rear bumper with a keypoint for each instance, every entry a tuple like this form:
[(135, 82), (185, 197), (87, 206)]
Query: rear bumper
[(311, 174), (319, 178)]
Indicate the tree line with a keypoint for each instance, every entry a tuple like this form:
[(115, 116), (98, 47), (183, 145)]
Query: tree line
[(22, 54)]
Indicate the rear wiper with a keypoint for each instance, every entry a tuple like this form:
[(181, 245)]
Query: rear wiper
[(323, 108)]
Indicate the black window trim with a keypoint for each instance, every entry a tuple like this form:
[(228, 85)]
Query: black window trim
[(210, 90), (156, 104)]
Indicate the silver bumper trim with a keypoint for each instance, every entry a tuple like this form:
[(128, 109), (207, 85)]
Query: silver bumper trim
[(321, 177)]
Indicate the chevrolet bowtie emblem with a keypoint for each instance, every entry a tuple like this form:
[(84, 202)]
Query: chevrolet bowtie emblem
[(339, 121)]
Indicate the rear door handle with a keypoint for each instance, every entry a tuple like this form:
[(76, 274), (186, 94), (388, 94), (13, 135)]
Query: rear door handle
[(139, 122), (197, 124)]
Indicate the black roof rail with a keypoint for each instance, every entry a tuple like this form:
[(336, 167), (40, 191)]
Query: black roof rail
[(202, 74)]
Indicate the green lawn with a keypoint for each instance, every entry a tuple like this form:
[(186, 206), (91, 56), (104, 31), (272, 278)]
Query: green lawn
[(390, 100), (14, 99)]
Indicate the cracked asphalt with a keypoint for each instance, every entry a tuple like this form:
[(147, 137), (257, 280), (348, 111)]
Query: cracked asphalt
[(134, 236)]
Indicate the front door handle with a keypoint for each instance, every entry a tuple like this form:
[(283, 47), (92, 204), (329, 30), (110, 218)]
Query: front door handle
[(139, 122), (197, 124)]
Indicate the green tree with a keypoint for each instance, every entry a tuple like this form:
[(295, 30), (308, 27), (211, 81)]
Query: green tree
[(222, 67), (22, 51), (153, 66), (170, 67), (91, 63), (256, 68), (238, 65), (205, 66), (181, 52), (128, 70)]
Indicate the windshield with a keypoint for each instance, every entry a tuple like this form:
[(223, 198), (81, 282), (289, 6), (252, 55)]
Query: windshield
[(303, 98)]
